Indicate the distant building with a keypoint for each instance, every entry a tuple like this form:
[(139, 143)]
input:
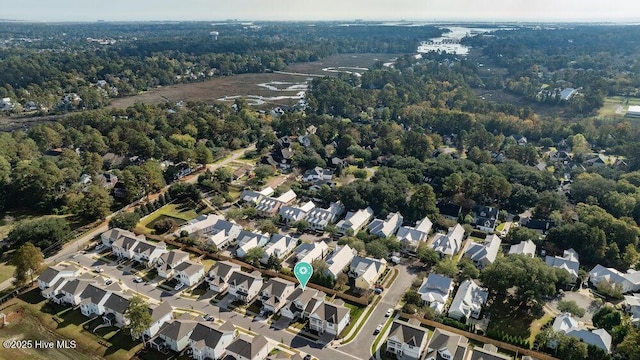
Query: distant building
[(567, 93), (633, 111)]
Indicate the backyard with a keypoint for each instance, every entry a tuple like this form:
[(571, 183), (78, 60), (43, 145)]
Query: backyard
[(512, 320), (180, 213)]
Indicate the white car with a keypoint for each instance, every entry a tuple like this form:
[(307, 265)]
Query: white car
[(99, 269), (99, 247), (378, 328), (137, 279), (389, 312), (179, 286)]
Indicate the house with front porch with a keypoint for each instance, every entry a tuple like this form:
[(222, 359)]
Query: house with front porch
[(274, 294), (407, 340), (219, 274), (245, 286), (302, 303), (210, 341), (160, 315), (175, 335), (329, 318)]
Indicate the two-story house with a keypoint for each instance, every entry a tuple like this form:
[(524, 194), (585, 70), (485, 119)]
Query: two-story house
[(160, 315), (483, 255), (148, 252), (411, 237), (175, 335), (245, 286), (279, 246), (449, 244), (319, 218), (485, 218), (407, 340), (248, 240), (290, 214), (339, 260), (468, 302), (53, 274), (366, 271), (435, 291), (210, 341), (329, 318), (166, 263), (302, 303), (110, 236), (354, 221), (219, 274), (307, 252), (274, 294), (387, 227), (189, 272), (114, 309), (249, 348)]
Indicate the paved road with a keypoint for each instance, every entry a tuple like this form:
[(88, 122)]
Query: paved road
[(361, 345), (202, 305)]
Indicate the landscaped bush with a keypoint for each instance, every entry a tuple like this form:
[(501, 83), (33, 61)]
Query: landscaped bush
[(164, 225)]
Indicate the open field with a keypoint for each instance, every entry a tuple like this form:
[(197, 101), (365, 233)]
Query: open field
[(38, 320), (180, 213), (616, 106), (6, 270)]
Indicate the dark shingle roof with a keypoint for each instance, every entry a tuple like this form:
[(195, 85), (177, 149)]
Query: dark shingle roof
[(209, 334), (247, 348), (117, 303), (178, 329), (407, 333)]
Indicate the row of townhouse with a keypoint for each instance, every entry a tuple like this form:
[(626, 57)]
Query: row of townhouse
[(279, 296), (208, 340), (410, 341), (66, 285)]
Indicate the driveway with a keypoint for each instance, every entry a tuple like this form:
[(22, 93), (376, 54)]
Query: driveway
[(584, 299), (361, 345)]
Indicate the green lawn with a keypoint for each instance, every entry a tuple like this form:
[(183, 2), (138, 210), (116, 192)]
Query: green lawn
[(6, 270), (612, 103), (356, 311), (180, 212), (511, 319)]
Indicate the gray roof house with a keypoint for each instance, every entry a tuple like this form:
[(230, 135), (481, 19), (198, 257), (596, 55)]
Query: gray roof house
[(329, 318), (167, 262), (248, 240), (279, 246), (445, 345), (111, 235), (301, 303), (488, 352), (175, 335), (219, 274), (208, 340), (468, 301), (449, 244), (355, 221), (410, 237), (366, 271), (435, 291), (567, 324), (628, 282), (318, 218), (387, 227), (484, 254), (290, 214), (274, 294), (308, 252), (54, 273), (569, 261), (406, 340), (249, 348), (244, 286), (524, 247)]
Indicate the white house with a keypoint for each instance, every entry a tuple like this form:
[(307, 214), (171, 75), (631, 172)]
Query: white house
[(317, 174), (446, 345), (167, 262), (290, 214), (468, 301), (72, 290), (567, 324), (329, 318), (248, 240), (301, 303), (245, 286), (148, 252), (202, 225), (53, 274), (274, 294), (160, 315), (189, 272), (632, 307), (366, 271), (488, 352), (355, 221), (411, 237), (110, 236), (339, 260), (175, 335), (210, 341), (279, 246), (435, 291), (269, 206), (406, 340), (569, 261), (114, 309), (308, 252), (449, 244), (319, 218), (387, 227), (224, 233), (249, 348), (629, 282), (524, 247), (93, 299), (219, 275), (253, 197), (485, 218), (484, 254)]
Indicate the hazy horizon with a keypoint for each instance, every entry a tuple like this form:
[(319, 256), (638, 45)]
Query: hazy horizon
[(328, 10)]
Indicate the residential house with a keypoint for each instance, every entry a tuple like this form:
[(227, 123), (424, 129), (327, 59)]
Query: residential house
[(224, 233), (73, 288), (484, 254), (629, 282), (449, 244), (110, 236), (189, 272), (307, 252), (366, 271), (569, 261), (520, 139), (354, 221), (175, 335), (249, 348), (245, 286), (338, 162), (485, 218), (435, 291), (445, 345), (242, 171), (567, 324), (107, 180), (319, 218), (93, 299), (167, 262), (488, 352), (527, 248), (339, 260), (202, 225), (219, 275), (160, 315), (114, 309), (597, 160), (274, 294), (411, 237), (52, 274), (253, 197), (279, 246), (632, 307), (148, 252), (268, 206), (5, 104), (317, 174), (567, 93), (329, 318), (291, 214), (406, 340), (541, 226), (302, 303), (449, 210), (85, 179), (248, 240), (386, 228), (210, 341), (468, 301)]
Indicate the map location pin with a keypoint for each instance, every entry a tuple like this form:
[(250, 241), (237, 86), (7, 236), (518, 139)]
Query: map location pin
[(303, 271)]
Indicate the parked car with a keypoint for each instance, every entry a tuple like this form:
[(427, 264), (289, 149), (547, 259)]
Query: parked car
[(208, 317), (179, 286), (137, 279), (99, 247), (389, 312), (308, 357), (98, 269), (378, 328), (108, 282), (378, 291)]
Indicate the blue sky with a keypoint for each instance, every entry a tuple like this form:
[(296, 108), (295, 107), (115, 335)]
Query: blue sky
[(509, 10)]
